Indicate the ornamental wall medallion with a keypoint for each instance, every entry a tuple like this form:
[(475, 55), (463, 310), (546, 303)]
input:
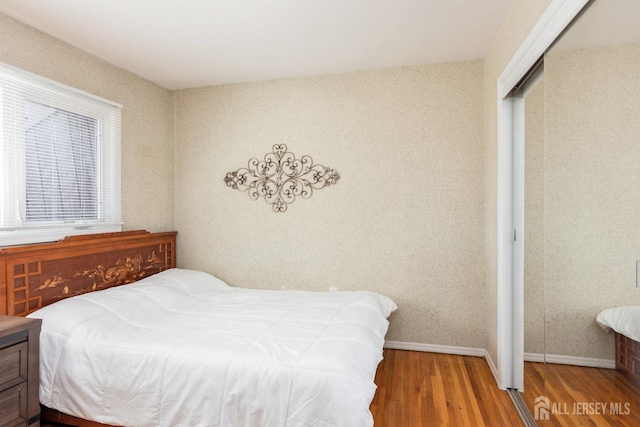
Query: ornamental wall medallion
[(280, 178)]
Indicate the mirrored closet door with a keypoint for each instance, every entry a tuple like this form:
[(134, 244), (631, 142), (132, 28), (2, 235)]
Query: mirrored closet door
[(582, 217)]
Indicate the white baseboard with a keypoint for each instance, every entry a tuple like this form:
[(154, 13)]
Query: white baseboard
[(534, 357), (447, 349), (435, 348), (570, 360), (481, 352), (494, 369)]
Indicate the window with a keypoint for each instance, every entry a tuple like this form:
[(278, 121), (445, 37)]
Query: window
[(59, 160)]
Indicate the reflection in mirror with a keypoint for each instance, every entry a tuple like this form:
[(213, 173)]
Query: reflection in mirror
[(592, 197), (584, 219), (534, 223)]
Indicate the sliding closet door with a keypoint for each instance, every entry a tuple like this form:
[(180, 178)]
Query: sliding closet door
[(582, 217)]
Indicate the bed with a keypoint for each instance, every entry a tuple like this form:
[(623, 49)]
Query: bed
[(625, 322), (168, 346)]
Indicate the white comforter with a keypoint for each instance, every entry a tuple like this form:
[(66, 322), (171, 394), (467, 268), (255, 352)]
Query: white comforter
[(623, 320), (183, 348)]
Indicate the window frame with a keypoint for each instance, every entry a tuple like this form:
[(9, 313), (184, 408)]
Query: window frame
[(14, 228)]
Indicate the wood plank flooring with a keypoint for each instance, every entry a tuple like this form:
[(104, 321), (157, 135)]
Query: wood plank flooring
[(418, 389), (580, 396)]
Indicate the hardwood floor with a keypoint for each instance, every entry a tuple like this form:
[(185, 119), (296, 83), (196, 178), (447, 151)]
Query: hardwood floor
[(431, 389), (580, 396)]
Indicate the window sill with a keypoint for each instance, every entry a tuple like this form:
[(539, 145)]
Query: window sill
[(43, 235)]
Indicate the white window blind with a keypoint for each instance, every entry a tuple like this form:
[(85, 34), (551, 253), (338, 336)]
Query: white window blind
[(59, 159)]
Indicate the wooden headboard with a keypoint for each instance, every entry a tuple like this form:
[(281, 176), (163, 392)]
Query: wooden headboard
[(34, 276)]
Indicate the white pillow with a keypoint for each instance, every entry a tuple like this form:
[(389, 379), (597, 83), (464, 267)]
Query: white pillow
[(623, 320)]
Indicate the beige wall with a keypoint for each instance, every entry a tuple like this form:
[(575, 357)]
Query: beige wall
[(592, 221), (405, 219), (147, 156), (534, 261), (522, 16), (413, 216)]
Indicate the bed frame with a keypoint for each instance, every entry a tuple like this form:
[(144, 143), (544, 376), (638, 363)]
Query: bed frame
[(628, 358), (34, 276)]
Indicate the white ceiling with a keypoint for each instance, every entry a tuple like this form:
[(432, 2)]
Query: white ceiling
[(191, 43)]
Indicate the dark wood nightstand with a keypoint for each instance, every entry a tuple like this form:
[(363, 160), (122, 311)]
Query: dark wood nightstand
[(19, 359)]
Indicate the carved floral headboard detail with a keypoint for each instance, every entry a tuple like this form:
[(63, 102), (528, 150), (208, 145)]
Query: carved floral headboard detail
[(124, 271), (34, 276), (280, 178)]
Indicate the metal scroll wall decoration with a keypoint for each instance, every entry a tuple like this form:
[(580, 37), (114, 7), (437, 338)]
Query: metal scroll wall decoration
[(280, 178)]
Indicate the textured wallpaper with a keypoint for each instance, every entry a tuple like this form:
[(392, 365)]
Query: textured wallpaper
[(405, 218), (147, 155), (534, 236), (413, 215), (591, 197)]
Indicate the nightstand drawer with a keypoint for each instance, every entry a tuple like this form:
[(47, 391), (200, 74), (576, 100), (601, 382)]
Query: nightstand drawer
[(13, 406), (13, 365), (19, 351)]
